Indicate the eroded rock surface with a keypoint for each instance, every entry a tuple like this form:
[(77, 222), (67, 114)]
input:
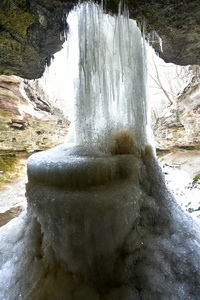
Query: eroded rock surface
[(27, 124), (179, 126)]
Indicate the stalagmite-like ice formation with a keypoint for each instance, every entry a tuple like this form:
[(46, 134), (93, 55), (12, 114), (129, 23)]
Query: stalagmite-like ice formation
[(101, 223)]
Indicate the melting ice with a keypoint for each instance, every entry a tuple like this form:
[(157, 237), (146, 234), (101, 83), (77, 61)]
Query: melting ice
[(101, 223)]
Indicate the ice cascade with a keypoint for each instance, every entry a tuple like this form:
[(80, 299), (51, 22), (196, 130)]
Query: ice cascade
[(111, 94), (101, 223)]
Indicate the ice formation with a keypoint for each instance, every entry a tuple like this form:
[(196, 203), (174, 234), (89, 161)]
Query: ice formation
[(101, 223)]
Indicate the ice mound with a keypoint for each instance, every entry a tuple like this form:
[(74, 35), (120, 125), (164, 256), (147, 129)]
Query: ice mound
[(126, 232), (121, 240), (29, 269), (72, 168)]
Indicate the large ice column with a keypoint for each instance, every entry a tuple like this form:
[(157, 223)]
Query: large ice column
[(86, 206), (112, 222), (101, 223), (99, 200)]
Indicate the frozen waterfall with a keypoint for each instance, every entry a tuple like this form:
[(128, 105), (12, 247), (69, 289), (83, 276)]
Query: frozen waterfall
[(111, 94), (101, 223)]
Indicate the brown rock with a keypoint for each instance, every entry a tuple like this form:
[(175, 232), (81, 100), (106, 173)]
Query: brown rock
[(27, 124)]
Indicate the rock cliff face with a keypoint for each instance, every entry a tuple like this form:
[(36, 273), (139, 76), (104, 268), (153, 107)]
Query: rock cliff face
[(27, 123), (32, 31), (179, 126)]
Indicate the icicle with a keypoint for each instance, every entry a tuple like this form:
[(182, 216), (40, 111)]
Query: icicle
[(111, 94)]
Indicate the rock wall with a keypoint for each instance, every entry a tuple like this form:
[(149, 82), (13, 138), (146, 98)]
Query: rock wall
[(174, 93), (178, 126), (27, 123)]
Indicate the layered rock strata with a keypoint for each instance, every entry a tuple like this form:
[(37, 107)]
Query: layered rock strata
[(27, 124), (179, 127)]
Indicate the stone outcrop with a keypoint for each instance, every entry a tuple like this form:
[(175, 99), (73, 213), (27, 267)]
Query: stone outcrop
[(178, 126), (27, 123), (32, 31)]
